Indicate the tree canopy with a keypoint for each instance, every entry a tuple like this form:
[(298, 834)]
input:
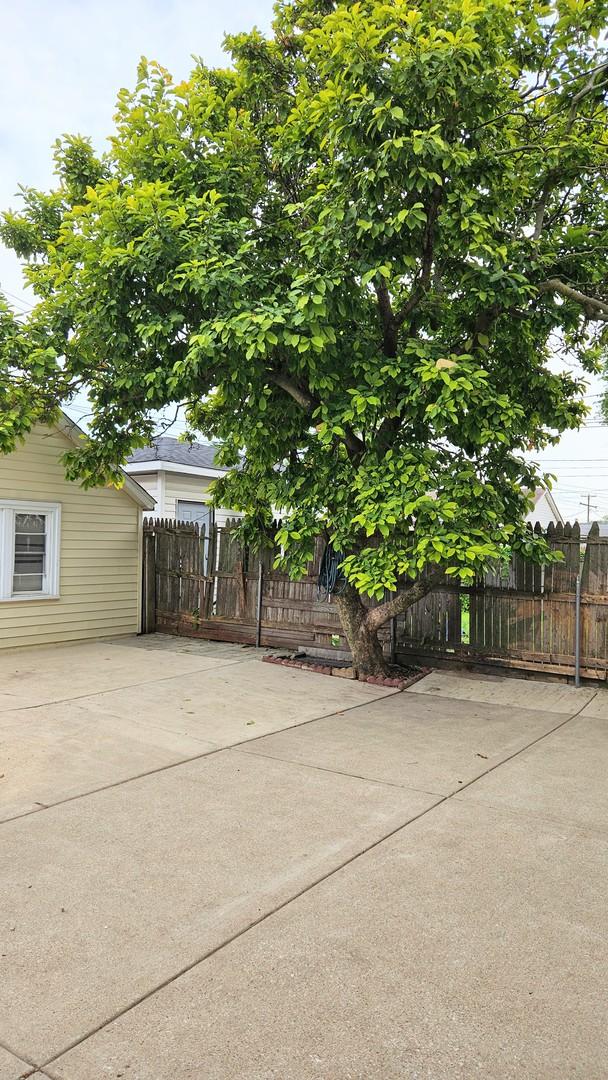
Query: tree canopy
[(352, 255)]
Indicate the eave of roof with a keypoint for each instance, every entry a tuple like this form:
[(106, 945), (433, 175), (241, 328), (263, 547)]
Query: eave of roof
[(130, 486), (135, 467)]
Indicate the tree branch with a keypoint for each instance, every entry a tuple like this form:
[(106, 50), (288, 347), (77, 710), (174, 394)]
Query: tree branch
[(387, 318), (541, 207), (524, 147), (485, 320), (553, 176), (308, 402), (590, 85), (556, 213), (399, 603), (530, 100), (594, 308), (300, 394), (428, 251)]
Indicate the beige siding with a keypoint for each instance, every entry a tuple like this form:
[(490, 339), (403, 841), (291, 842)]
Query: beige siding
[(184, 486), (169, 487), (99, 555), (150, 483)]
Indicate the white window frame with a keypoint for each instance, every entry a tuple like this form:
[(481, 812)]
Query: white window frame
[(50, 584)]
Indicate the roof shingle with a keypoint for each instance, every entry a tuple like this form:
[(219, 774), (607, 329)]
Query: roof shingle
[(164, 448)]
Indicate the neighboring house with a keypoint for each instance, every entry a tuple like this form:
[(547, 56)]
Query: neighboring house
[(545, 509), (178, 475), (70, 558)]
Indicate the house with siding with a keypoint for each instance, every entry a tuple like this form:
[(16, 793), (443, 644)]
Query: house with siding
[(178, 475), (545, 509), (70, 558)]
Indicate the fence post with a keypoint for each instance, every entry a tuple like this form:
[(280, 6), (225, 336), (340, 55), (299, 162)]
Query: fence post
[(258, 628), (148, 607), (393, 645), (216, 549), (577, 633)]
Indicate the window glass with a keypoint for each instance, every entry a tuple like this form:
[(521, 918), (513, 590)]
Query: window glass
[(30, 552), (198, 512)]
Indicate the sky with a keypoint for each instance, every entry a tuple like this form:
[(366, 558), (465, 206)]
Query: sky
[(61, 66)]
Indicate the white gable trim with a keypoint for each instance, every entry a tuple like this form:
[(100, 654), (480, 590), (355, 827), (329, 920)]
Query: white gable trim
[(557, 516), (134, 490), (135, 467), (544, 495)]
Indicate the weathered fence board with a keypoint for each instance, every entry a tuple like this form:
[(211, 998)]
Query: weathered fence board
[(201, 582)]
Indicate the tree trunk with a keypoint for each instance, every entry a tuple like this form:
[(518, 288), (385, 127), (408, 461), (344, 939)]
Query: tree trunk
[(366, 650), (361, 624)]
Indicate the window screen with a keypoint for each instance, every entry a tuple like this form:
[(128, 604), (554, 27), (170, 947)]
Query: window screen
[(30, 552)]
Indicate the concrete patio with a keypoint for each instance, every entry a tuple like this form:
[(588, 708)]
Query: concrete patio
[(214, 868)]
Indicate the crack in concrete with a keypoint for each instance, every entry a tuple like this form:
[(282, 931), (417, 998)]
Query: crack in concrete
[(336, 772), (20, 1058), (194, 757), (127, 686)]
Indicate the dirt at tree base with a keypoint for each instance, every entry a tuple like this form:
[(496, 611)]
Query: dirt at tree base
[(397, 677)]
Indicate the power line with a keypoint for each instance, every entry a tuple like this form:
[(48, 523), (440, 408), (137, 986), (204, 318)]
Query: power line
[(17, 299)]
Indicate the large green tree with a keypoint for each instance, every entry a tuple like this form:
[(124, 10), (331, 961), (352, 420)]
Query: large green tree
[(351, 255)]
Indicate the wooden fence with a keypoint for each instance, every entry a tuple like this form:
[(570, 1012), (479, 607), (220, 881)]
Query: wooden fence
[(202, 583)]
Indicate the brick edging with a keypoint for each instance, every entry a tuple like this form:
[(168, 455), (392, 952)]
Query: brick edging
[(394, 683)]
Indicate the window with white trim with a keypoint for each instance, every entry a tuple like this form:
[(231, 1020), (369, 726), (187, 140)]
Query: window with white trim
[(29, 550)]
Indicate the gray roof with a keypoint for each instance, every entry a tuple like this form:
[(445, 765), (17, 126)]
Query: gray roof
[(163, 448)]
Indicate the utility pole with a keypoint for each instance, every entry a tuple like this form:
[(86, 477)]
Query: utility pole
[(590, 506)]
